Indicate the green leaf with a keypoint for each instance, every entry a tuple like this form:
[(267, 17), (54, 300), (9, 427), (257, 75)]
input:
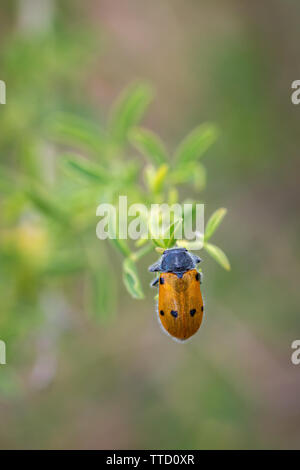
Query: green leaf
[(173, 196), (121, 246), (76, 131), (199, 177), (149, 175), (190, 213), (155, 232), (142, 252), (196, 143), (141, 242), (155, 178), (214, 222), (46, 204), (159, 243), (87, 168), (172, 231), (131, 279), (167, 239), (129, 173), (158, 179), (191, 245), (149, 144), (183, 173), (193, 171), (128, 109), (218, 255)]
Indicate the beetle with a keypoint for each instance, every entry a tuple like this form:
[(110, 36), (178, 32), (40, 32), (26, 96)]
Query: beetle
[(180, 302)]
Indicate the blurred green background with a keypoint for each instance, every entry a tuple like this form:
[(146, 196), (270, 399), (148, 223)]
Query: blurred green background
[(87, 365)]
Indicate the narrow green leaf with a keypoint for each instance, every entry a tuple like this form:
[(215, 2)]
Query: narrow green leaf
[(141, 242), (129, 173), (149, 144), (129, 109), (173, 196), (159, 178), (192, 171), (183, 173), (218, 255), (149, 175), (199, 177), (155, 178), (46, 204), (190, 213), (142, 252), (171, 231), (214, 222), (154, 227), (76, 131), (131, 279), (191, 245), (87, 168), (196, 143), (159, 243), (121, 246)]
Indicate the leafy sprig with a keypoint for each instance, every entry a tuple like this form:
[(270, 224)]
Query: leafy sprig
[(95, 164)]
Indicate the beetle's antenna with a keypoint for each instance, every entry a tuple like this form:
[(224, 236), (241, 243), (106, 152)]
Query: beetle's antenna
[(196, 258)]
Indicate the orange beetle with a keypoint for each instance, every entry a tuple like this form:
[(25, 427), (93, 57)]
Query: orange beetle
[(180, 303)]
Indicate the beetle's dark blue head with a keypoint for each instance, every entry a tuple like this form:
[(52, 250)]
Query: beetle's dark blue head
[(176, 260)]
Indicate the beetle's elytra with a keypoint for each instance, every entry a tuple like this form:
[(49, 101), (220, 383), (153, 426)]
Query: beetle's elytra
[(180, 303)]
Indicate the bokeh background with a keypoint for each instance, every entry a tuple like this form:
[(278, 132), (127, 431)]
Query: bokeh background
[(87, 365)]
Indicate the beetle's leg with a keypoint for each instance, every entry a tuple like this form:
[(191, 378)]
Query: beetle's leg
[(155, 282), (201, 277)]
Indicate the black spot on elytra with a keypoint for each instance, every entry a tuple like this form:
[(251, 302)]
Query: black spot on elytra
[(161, 280), (162, 312), (174, 313), (192, 312), (198, 277), (202, 308)]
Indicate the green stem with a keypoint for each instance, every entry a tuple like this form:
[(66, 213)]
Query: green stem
[(142, 252)]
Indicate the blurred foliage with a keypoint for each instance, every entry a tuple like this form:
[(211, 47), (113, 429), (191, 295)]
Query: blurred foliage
[(57, 165), (65, 165)]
